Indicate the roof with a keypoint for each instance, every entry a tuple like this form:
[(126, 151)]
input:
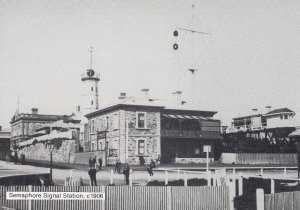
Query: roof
[(59, 124), (295, 133), (277, 111), (143, 102), (49, 137)]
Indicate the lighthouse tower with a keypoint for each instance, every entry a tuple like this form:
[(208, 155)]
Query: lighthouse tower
[(89, 97)]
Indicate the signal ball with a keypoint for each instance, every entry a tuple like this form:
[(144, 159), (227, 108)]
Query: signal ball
[(175, 33), (175, 46)]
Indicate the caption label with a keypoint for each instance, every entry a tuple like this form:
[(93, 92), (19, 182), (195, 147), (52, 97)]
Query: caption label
[(55, 196)]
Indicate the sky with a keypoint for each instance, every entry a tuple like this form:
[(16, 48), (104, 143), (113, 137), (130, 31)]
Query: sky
[(251, 60)]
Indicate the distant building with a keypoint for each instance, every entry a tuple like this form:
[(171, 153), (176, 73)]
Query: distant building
[(277, 118), (134, 127), (5, 136), (24, 125)]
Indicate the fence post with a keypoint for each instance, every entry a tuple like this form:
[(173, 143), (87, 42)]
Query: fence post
[(29, 200), (166, 177), (185, 179), (240, 184), (130, 177), (272, 186), (284, 172), (231, 195), (233, 171), (260, 200), (262, 171), (111, 180), (71, 173), (177, 173), (214, 177)]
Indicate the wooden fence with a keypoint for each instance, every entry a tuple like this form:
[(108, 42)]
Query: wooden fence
[(282, 201), (125, 197)]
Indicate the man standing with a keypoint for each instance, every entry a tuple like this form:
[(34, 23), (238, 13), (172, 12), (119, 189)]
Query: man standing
[(126, 173), (90, 162), (92, 173), (94, 161), (100, 163)]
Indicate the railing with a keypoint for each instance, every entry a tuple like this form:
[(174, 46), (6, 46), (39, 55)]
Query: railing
[(190, 134)]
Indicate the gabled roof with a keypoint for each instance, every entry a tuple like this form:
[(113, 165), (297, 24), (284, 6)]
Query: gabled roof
[(277, 111)]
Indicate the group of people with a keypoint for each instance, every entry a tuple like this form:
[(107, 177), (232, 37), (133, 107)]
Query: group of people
[(126, 170), (93, 162)]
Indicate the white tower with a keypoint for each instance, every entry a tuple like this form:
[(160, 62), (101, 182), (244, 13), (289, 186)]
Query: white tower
[(89, 97)]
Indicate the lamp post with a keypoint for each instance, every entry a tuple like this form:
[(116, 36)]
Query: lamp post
[(51, 148)]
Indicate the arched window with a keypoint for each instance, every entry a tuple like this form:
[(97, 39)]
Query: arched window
[(92, 102), (141, 120), (92, 89)]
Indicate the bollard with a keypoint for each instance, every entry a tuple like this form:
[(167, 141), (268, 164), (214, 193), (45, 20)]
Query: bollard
[(240, 184), (111, 180), (284, 172), (208, 177), (214, 177), (130, 178), (166, 178), (260, 201), (185, 179), (272, 186), (231, 194), (262, 171), (177, 173)]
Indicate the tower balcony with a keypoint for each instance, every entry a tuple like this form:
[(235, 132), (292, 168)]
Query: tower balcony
[(94, 76)]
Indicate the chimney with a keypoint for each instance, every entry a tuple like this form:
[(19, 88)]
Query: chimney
[(145, 91), (178, 99), (77, 109), (268, 108), (122, 96), (34, 110)]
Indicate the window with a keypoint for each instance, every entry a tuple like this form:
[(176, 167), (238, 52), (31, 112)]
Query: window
[(141, 120), (92, 102), (281, 117), (92, 89), (285, 116), (115, 121), (93, 126), (92, 147), (197, 151), (141, 147)]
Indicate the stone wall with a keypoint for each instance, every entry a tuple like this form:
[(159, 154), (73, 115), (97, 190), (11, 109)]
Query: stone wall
[(63, 151)]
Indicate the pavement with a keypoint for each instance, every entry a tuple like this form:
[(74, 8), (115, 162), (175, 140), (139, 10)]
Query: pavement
[(140, 175)]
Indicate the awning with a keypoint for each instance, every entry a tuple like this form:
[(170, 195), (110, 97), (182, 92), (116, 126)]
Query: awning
[(295, 133), (189, 117)]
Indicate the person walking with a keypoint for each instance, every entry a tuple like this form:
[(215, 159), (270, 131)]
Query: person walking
[(100, 163), (126, 173), (92, 173)]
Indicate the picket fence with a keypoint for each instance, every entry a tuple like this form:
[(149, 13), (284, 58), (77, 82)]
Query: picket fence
[(125, 197), (283, 201)]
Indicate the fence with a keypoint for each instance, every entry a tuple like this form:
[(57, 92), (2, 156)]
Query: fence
[(259, 158), (125, 197), (283, 201)]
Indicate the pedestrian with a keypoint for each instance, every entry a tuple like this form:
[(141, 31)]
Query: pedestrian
[(118, 166), (126, 174), (16, 157), (150, 168), (142, 160), (90, 162), (100, 163), (92, 172), (152, 163), (94, 161)]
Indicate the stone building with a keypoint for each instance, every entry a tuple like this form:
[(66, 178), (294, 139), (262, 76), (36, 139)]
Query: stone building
[(135, 127), (5, 136), (24, 125)]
